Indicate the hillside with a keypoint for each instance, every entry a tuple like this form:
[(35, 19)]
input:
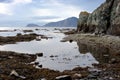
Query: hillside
[(69, 22), (32, 25)]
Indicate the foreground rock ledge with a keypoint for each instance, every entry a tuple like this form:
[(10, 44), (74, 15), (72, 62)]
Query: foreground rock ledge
[(16, 66), (105, 49)]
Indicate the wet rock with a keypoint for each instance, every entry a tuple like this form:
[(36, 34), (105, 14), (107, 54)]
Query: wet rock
[(19, 34), (70, 32), (91, 77), (77, 76), (36, 63), (18, 38), (14, 73), (40, 66), (10, 57), (113, 61), (70, 41), (52, 56), (38, 39), (64, 77), (25, 31), (39, 54)]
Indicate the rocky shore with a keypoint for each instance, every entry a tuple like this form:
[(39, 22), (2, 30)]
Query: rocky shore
[(105, 49), (22, 38), (18, 66), (22, 66)]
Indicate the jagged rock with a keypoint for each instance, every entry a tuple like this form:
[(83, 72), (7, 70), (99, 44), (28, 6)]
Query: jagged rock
[(82, 23), (105, 19)]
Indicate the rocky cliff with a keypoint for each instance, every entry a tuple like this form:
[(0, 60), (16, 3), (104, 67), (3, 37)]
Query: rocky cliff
[(105, 19)]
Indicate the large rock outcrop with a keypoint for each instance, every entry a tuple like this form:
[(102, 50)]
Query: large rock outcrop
[(105, 19), (82, 22)]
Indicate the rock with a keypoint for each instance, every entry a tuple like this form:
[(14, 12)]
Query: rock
[(22, 77), (91, 77), (82, 22), (40, 66), (14, 73), (105, 19), (77, 76), (52, 56), (39, 54), (19, 34), (64, 77), (36, 63), (70, 41), (113, 61)]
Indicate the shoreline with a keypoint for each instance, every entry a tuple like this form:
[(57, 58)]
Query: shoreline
[(18, 66), (105, 49)]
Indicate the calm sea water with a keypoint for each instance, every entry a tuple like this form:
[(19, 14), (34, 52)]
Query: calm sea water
[(67, 55)]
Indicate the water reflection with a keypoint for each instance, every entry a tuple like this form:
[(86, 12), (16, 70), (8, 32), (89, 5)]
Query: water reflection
[(101, 53), (56, 55)]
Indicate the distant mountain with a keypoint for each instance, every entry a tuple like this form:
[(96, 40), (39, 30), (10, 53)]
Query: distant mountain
[(69, 22), (32, 25)]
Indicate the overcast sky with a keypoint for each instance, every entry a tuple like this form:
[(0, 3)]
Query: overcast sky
[(21, 12)]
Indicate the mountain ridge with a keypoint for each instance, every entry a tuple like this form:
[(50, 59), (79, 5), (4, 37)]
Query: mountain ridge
[(68, 22)]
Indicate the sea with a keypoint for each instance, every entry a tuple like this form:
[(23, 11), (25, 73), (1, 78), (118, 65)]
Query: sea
[(57, 55)]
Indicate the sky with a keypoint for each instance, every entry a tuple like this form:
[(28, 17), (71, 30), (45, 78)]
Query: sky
[(16, 13)]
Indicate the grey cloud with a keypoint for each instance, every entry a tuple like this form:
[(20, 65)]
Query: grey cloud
[(6, 1), (45, 17)]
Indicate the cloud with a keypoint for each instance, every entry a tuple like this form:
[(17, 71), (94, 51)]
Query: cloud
[(55, 8), (44, 17), (5, 9), (22, 1), (5, 1), (42, 11), (7, 6)]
